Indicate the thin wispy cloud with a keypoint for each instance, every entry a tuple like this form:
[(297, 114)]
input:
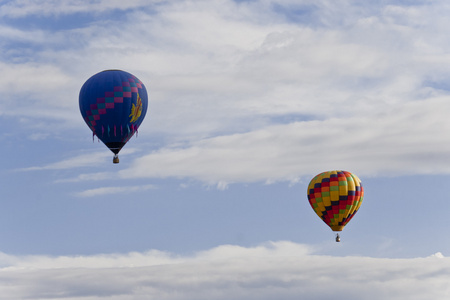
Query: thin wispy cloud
[(114, 190), (88, 177), (84, 160)]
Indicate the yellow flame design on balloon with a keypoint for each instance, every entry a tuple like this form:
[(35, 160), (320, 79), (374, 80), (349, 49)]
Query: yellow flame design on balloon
[(136, 110)]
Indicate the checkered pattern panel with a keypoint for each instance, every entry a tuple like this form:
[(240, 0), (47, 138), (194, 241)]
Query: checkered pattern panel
[(335, 196), (110, 99)]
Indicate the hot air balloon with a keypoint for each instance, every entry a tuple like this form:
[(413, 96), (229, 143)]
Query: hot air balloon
[(335, 196), (113, 104)]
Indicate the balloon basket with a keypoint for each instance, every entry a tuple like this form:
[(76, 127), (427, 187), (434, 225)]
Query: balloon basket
[(338, 238)]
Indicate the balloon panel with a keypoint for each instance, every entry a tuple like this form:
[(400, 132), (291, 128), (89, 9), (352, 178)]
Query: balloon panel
[(335, 196), (113, 104)]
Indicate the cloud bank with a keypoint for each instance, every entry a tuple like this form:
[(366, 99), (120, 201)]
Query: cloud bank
[(275, 270)]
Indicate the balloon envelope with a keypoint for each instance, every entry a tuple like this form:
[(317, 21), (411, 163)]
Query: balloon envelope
[(335, 196), (113, 104)]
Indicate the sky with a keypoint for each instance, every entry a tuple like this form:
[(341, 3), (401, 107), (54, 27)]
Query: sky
[(248, 101)]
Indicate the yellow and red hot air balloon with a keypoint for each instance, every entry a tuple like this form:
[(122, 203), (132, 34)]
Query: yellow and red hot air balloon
[(335, 196)]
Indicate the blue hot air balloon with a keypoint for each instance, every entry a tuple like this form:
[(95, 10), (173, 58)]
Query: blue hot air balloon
[(113, 104)]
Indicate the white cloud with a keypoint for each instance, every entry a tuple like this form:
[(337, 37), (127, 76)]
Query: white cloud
[(438, 255), (114, 190), (276, 270), (410, 139), (38, 80)]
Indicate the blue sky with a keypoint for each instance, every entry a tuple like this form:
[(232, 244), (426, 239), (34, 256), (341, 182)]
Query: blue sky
[(248, 100)]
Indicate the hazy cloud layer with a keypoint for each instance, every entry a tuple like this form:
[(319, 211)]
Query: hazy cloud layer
[(276, 270)]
